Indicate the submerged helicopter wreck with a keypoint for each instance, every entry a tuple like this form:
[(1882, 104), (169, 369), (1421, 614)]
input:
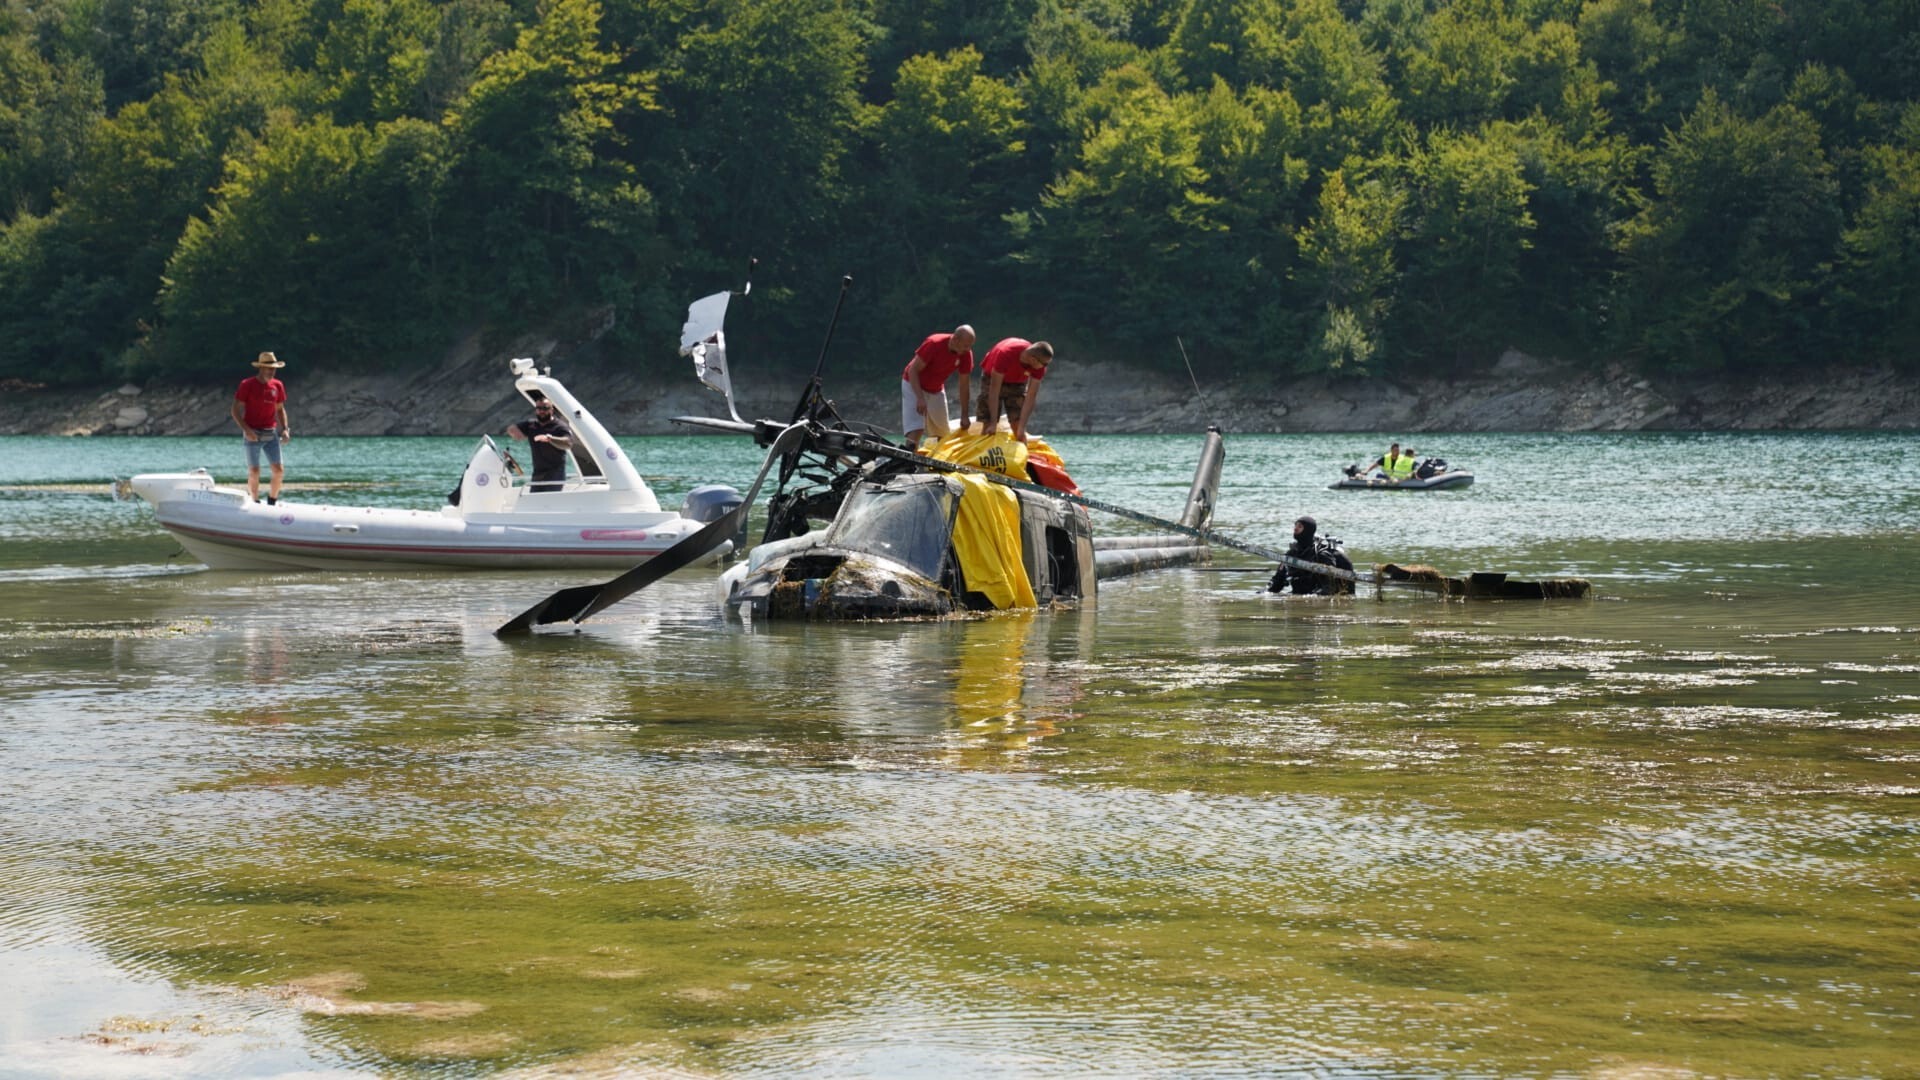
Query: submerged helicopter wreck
[(860, 528), (927, 537)]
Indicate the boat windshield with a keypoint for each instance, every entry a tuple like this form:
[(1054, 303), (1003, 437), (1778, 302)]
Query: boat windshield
[(912, 526)]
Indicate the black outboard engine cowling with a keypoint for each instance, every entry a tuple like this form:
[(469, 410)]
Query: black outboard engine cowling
[(709, 503)]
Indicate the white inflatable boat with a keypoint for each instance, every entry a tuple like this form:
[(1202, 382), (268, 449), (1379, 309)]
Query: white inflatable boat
[(607, 521)]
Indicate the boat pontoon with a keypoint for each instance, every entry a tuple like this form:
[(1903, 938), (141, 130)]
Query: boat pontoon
[(604, 517)]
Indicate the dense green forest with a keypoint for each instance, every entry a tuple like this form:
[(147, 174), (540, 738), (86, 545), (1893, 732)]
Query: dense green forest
[(1374, 186)]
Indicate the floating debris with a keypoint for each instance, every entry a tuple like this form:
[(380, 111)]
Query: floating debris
[(1482, 586)]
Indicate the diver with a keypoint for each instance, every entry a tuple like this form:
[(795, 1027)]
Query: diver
[(1309, 547)]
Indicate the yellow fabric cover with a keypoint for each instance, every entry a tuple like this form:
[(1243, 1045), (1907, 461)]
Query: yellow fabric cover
[(995, 452), (986, 537)]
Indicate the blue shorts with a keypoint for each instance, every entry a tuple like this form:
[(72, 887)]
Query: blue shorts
[(266, 442)]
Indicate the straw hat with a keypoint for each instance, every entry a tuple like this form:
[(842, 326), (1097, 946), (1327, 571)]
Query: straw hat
[(267, 359)]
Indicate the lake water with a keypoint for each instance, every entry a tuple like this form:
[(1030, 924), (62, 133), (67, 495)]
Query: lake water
[(313, 824)]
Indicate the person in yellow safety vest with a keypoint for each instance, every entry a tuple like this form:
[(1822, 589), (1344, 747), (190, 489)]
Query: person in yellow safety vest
[(1393, 465), (1382, 461)]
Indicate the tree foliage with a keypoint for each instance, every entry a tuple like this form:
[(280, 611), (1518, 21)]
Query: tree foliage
[(1731, 257), (1295, 185)]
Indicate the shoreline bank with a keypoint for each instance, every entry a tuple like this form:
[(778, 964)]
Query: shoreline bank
[(472, 393)]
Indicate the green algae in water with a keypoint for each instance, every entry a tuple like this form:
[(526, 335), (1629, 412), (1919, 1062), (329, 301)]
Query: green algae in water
[(1668, 831)]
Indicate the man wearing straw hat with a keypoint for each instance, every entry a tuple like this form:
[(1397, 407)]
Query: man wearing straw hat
[(260, 408)]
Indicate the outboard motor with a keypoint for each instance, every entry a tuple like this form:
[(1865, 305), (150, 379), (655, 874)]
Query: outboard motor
[(709, 503)]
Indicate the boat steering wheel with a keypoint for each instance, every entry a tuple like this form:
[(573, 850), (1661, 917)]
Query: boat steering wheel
[(512, 465)]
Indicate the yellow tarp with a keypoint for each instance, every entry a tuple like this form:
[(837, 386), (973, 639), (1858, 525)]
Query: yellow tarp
[(997, 452), (986, 538), (1000, 452), (986, 535)]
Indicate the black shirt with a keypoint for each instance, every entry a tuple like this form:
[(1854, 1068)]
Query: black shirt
[(549, 461)]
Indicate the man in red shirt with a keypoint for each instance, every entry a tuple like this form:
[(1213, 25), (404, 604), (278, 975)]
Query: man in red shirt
[(260, 408), (923, 385), (1010, 374)]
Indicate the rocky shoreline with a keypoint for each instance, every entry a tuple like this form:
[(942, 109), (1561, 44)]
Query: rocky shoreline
[(470, 393)]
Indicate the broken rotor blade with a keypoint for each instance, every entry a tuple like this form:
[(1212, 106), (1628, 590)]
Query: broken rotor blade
[(580, 601)]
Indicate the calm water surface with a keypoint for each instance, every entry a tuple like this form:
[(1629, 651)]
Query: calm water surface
[(262, 825)]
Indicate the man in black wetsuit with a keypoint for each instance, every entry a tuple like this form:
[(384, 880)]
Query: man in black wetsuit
[(1307, 547), (550, 439)]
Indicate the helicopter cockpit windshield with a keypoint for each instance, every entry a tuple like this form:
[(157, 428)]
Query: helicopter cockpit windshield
[(911, 524)]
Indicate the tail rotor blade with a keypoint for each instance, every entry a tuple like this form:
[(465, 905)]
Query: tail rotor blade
[(577, 603)]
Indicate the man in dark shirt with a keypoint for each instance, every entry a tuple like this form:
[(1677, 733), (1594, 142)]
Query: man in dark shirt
[(550, 439)]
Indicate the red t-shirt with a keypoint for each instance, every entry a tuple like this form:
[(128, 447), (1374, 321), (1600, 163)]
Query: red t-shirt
[(263, 400), (937, 361), (1005, 359)]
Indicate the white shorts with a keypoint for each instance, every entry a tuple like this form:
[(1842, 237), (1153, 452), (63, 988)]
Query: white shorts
[(937, 421)]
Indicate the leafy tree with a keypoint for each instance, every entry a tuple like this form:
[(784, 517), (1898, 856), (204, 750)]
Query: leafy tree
[(1348, 271), (1252, 148), (1581, 191), (1311, 50), (43, 282), (1237, 41), (1464, 67), (46, 111), (345, 208), (1877, 44), (467, 33), (1072, 52), (137, 45), (1729, 260), (1631, 49), (374, 59), (1350, 111), (384, 59), (996, 29), (1552, 79), (1729, 47), (549, 209), (1358, 184), (1119, 236), (946, 154), (143, 174), (1470, 227), (762, 101), (1879, 273)]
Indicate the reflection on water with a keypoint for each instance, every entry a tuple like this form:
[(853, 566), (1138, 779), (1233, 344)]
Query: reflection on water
[(265, 824)]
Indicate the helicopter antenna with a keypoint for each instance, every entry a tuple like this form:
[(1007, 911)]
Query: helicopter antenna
[(1204, 404), (812, 394)]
